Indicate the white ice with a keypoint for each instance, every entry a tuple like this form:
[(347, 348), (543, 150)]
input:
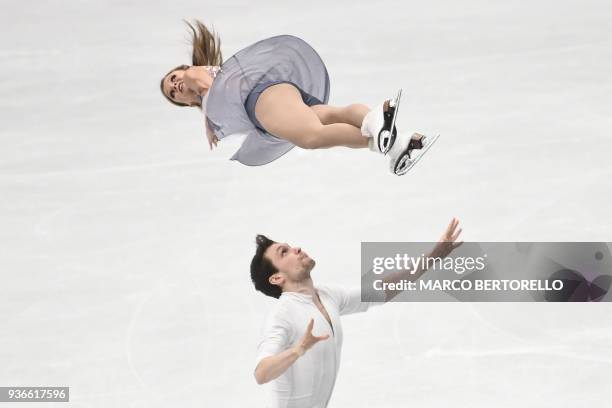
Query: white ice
[(125, 242)]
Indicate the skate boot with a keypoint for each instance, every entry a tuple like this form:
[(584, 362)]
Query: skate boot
[(406, 152), (381, 128)]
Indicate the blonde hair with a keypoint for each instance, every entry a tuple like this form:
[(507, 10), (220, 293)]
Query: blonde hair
[(206, 50)]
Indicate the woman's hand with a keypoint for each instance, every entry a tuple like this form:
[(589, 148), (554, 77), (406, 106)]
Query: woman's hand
[(212, 138)]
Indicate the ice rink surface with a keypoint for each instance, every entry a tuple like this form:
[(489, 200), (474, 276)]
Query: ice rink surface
[(125, 242)]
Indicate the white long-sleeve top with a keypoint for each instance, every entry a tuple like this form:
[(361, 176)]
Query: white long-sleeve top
[(309, 382)]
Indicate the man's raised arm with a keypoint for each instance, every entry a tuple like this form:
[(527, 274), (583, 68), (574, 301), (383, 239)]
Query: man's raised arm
[(442, 249)]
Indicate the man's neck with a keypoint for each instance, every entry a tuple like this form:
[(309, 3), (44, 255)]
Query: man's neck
[(305, 287)]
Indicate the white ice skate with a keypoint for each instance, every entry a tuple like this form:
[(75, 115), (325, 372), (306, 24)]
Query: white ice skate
[(381, 128), (406, 152)]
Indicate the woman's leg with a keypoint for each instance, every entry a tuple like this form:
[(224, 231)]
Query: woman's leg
[(351, 114), (282, 112)]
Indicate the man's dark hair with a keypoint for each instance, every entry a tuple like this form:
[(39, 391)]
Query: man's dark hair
[(262, 268)]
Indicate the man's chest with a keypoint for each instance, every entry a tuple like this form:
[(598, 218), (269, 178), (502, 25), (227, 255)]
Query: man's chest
[(326, 319)]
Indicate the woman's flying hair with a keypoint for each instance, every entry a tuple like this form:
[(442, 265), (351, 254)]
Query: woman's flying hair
[(206, 45)]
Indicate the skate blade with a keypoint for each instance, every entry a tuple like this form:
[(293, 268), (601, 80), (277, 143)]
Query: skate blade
[(394, 104), (385, 139), (406, 163)]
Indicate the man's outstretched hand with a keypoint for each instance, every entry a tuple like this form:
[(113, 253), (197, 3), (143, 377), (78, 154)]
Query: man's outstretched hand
[(309, 340), (448, 241)]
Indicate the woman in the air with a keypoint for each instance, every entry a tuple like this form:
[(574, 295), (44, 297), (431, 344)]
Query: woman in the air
[(275, 93)]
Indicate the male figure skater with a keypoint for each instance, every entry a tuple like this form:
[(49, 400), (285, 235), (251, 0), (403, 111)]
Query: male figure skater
[(301, 342)]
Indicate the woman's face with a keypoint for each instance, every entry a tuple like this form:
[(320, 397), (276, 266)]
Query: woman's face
[(175, 88)]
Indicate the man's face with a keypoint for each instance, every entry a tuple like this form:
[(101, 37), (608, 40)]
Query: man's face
[(293, 264)]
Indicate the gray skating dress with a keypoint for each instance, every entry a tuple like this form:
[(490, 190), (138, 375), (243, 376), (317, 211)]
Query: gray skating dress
[(229, 105)]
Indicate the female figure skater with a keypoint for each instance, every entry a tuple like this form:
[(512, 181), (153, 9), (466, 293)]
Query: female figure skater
[(275, 92)]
